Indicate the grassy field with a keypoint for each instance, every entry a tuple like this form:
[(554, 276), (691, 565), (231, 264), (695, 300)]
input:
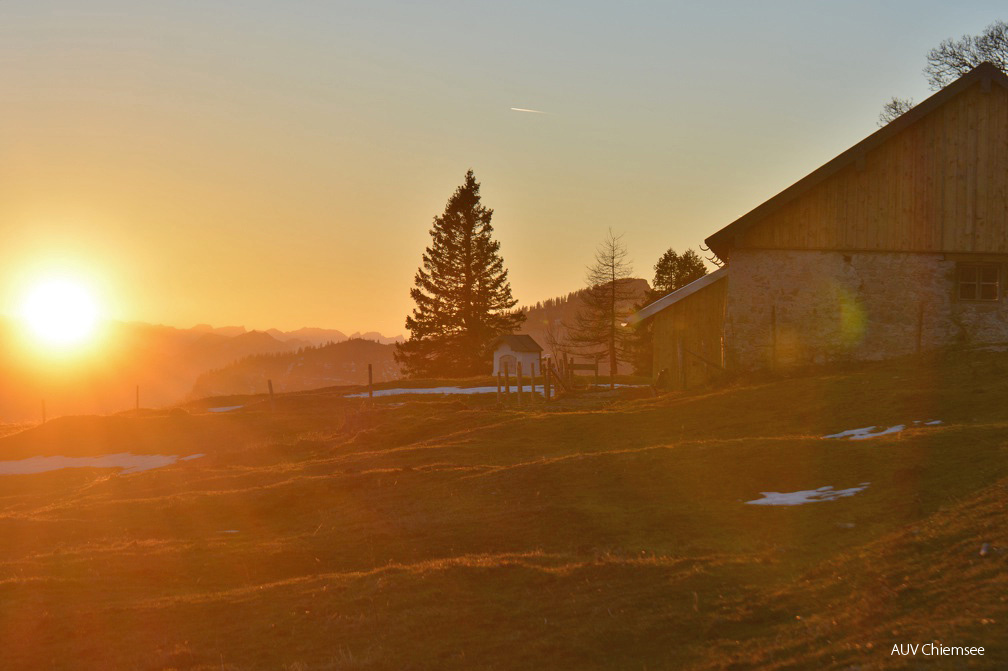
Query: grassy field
[(608, 531)]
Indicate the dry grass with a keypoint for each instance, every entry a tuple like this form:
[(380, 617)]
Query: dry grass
[(607, 532)]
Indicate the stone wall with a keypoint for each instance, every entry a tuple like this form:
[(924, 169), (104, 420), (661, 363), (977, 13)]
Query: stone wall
[(791, 308)]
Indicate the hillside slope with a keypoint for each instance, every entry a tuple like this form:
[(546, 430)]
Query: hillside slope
[(342, 363), (547, 321), (605, 532)]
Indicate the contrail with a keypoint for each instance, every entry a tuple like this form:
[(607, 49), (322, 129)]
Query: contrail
[(522, 109)]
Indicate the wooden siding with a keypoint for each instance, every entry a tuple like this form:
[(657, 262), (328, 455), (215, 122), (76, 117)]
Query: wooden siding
[(940, 185), (689, 337)]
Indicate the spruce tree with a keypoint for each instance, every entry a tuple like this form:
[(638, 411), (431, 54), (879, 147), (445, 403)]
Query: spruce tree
[(673, 271), (462, 294)]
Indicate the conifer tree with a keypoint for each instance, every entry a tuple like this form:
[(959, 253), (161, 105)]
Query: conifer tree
[(672, 271), (597, 327), (462, 294)]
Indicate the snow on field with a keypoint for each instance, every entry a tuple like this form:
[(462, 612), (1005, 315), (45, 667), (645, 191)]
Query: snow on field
[(826, 493), (130, 463), (226, 408), (454, 390), (870, 431), (441, 390)]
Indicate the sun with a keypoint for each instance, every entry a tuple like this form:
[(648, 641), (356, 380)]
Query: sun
[(60, 313)]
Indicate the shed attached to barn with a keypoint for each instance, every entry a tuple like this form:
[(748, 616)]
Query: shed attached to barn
[(510, 350)]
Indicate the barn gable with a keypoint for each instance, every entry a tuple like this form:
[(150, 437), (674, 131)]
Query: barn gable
[(933, 180)]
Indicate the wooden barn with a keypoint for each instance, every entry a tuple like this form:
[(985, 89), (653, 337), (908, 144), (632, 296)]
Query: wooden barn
[(898, 245)]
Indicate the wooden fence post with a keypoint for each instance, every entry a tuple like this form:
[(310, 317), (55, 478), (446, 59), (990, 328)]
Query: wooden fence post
[(370, 383), (269, 383), (518, 375), (680, 357), (507, 380), (773, 337), (498, 386), (531, 384)]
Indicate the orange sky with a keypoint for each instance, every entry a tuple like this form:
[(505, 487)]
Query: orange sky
[(280, 166)]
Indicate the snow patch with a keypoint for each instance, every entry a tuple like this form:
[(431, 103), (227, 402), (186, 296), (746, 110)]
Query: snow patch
[(226, 408), (804, 496), (455, 390), (867, 432), (441, 390), (130, 463)]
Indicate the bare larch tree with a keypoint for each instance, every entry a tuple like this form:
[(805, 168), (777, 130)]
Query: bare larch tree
[(598, 327)]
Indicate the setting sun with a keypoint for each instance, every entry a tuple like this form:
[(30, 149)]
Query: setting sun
[(60, 312)]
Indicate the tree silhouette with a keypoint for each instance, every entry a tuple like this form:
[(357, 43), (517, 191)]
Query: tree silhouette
[(598, 328), (462, 294), (952, 59), (672, 271), (894, 108)]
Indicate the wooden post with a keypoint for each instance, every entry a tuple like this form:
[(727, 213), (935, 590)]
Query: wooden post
[(518, 375), (532, 384), (682, 362), (773, 337), (507, 380), (269, 383), (498, 386), (370, 382), (43, 411)]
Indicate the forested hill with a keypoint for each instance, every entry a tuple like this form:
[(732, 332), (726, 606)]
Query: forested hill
[(551, 315), (307, 368)]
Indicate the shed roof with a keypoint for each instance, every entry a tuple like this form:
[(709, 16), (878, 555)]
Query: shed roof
[(519, 342), (682, 292), (985, 73)]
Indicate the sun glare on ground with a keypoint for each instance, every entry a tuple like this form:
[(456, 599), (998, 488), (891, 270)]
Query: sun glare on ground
[(60, 313)]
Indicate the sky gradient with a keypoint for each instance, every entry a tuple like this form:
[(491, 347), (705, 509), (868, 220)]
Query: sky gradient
[(279, 164)]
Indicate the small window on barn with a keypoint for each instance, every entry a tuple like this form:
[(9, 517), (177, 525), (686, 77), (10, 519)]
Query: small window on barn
[(979, 281)]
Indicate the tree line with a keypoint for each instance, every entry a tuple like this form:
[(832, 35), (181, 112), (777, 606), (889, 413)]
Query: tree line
[(464, 303)]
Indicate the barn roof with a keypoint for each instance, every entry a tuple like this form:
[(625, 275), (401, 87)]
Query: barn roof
[(518, 343), (677, 295), (985, 73)]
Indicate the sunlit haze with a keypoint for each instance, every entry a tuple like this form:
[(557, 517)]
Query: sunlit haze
[(279, 164)]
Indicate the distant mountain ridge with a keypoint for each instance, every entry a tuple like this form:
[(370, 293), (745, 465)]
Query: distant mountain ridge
[(164, 361), (307, 335)]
